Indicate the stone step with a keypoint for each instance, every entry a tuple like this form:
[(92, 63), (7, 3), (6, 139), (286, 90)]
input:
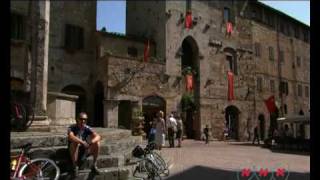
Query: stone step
[(114, 173), (48, 139), (106, 148)]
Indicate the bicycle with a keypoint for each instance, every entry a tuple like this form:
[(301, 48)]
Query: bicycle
[(22, 167), (150, 164), (22, 115)]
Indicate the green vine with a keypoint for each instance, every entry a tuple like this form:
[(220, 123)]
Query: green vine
[(187, 102)]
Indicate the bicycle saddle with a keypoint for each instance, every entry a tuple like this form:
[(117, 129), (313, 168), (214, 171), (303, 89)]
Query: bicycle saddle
[(26, 147)]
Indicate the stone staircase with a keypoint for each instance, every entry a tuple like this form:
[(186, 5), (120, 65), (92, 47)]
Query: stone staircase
[(113, 161)]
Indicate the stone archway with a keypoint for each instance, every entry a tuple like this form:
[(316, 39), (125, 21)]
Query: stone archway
[(150, 106), (190, 66), (262, 124), (81, 101), (232, 122)]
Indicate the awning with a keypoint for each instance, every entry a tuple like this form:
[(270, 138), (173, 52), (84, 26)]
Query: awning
[(295, 119)]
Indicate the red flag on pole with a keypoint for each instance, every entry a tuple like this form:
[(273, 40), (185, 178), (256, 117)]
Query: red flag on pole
[(188, 21), (229, 28), (146, 51), (270, 103), (189, 82), (230, 86)]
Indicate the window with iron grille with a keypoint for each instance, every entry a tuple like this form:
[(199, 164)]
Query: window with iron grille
[(259, 84), (232, 64), (306, 93), (271, 53), (17, 27), (132, 51), (74, 37), (272, 86), (257, 49), (298, 61), (299, 90)]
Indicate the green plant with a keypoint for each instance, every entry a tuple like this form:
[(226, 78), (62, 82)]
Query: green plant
[(187, 101)]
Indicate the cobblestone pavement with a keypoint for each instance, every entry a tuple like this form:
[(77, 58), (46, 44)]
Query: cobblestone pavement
[(217, 158)]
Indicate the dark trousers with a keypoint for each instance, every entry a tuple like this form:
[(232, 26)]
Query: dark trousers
[(256, 137), (171, 137), (207, 138)]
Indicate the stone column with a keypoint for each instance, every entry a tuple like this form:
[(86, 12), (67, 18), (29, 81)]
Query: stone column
[(40, 48), (110, 110)]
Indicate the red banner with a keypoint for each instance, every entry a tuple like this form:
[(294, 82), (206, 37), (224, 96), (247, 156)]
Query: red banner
[(229, 28), (188, 20), (146, 51), (189, 82), (270, 103), (230, 86)]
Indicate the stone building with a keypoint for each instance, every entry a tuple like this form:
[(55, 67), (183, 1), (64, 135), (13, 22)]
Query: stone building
[(267, 53)]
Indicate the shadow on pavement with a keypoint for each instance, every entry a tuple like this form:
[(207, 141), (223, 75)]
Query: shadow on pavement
[(206, 173), (304, 153)]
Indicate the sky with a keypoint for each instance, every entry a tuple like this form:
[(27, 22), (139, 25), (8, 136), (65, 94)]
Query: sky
[(112, 14)]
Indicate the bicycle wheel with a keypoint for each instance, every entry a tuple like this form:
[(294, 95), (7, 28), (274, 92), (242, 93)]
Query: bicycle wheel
[(40, 168), (164, 169), (152, 170)]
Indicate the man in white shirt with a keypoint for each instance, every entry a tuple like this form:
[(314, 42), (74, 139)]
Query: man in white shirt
[(172, 127)]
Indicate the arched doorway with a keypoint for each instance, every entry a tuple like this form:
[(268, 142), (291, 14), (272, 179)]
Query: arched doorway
[(232, 121), (261, 126), (150, 106), (98, 105), (81, 101), (190, 68)]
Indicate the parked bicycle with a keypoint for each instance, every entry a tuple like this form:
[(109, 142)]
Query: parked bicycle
[(22, 114), (22, 167), (150, 164)]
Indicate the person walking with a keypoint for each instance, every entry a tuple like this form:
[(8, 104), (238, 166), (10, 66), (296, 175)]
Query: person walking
[(160, 130), (179, 130), (206, 133), (172, 127), (256, 135)]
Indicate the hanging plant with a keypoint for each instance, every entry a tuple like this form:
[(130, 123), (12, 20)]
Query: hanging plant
[(189, 71), (187, 101)]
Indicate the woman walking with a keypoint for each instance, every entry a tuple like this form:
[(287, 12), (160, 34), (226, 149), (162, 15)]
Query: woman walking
[(160, 129)]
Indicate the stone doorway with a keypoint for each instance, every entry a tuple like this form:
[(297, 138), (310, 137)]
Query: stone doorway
[(98, 105), (190, 66), (124, 114), (150, 106), (81, 101), (262, 124), (232, 122)]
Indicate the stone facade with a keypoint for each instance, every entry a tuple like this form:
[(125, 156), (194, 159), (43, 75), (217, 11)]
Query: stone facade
[(109, 69)]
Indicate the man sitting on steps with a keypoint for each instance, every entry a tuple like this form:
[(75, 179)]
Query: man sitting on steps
[(79, 145)]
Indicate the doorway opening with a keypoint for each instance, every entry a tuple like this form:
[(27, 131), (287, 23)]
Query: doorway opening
[(232, 122), (124, 114), (98, 105), (81, 101), (150, 106), (190, 100)]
